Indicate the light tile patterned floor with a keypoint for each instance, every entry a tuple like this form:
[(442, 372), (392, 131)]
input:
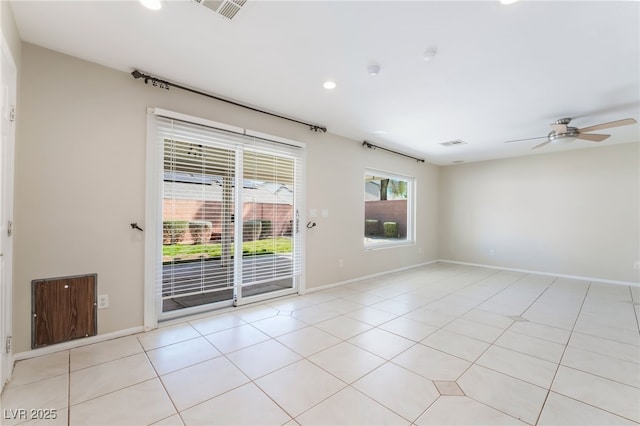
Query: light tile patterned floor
[(503, 347)]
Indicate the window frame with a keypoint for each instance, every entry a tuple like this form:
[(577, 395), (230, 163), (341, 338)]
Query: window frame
[(410, 238), (153, 217)]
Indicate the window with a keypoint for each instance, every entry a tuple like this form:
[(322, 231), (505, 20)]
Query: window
[(388, 209), (227, 204)]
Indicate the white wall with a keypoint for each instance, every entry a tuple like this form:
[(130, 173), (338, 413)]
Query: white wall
[(338, 184), (80, 174), (574, 212)]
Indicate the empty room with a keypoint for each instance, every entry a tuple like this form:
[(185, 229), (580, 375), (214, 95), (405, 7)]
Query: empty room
[(256, 212)]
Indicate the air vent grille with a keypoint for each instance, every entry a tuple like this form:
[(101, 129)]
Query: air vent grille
[(228, 9), (225, 8), (453, 143)]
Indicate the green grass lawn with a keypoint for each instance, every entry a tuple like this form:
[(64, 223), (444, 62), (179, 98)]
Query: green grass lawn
[(277, 245)]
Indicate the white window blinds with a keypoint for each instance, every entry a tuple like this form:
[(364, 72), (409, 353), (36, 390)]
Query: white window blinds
[(230, 204)]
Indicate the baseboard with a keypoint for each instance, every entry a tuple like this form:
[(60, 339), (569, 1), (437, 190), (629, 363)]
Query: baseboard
[(550, 274), (134, 330), (72, 344), (379, 274)]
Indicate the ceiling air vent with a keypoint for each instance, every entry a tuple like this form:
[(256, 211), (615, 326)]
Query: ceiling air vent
[(226, 8), (452, 143)]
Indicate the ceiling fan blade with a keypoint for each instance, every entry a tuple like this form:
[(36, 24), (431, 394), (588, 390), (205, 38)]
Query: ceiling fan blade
[(608, 125), (592, 137), (527, 139), (541, 145)]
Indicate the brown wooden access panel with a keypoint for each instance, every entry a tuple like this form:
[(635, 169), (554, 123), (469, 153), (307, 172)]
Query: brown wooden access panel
[(63, 309)]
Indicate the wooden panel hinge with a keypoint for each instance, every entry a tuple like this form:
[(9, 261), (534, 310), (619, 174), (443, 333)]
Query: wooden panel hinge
[(8, 344), (12, 113)]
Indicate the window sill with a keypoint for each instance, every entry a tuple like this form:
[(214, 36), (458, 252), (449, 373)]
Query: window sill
[(383, 243)]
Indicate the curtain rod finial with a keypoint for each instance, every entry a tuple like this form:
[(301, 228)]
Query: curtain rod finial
[(318, 129)]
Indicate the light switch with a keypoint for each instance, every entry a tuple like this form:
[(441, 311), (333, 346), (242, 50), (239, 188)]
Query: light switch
[(325, 212), (313, 213)]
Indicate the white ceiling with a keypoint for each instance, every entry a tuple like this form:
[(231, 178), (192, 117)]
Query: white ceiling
[(501, 72)]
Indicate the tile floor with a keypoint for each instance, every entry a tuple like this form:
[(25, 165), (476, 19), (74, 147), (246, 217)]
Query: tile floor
[(440, 344)]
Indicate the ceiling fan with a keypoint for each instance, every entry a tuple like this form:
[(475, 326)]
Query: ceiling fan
[(563, 132)]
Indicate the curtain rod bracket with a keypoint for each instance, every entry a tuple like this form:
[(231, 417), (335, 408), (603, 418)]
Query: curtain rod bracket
[(163, 84)]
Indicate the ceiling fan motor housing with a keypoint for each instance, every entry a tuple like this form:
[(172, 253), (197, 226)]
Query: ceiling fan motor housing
[(571, 132)]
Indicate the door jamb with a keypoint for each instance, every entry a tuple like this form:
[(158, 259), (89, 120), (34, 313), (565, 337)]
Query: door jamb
[(7, 198)]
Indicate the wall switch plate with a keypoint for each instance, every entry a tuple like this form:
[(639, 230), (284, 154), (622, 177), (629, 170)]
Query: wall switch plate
[(313, 213), (325, 212), (103, 301)]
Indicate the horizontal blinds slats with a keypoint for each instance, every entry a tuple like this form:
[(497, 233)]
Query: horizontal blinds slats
[(281, 170), (166, 127), (199, 196)]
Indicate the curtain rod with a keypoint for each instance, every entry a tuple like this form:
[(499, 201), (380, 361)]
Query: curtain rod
[(372, 146), (164, 84)]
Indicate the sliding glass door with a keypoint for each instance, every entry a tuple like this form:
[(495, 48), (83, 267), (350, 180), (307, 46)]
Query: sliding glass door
[(197, 229), (267, 221), (229, 213)]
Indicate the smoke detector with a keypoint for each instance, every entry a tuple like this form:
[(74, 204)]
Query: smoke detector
[(373, 69), (429, 54), (225, 8)]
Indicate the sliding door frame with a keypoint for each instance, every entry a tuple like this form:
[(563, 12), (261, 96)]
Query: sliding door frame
[(153, 221)]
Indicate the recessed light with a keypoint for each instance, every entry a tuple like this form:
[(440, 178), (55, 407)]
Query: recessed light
[(329, 84), (507, 2), (458, 161), (379, 132), (151, 4)]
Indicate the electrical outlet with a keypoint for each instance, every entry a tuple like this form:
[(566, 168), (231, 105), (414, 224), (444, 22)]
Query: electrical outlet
[(636, 265), (103, 301), (492, 252), (340, 263)]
